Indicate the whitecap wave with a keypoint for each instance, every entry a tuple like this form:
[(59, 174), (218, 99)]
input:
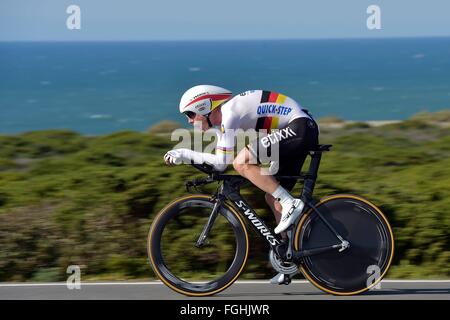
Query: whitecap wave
[(100, 116), (106, 72), (194, 69), (418, 56)]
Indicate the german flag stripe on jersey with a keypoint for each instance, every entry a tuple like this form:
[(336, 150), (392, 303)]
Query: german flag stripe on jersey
[(274, 97), (265, 96), (267, 123), (225, 150)]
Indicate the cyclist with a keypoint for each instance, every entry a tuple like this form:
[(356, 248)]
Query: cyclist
[(207, 106)]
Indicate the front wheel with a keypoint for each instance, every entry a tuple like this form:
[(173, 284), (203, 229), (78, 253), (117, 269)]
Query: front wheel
[(357, 268), (186, 268)]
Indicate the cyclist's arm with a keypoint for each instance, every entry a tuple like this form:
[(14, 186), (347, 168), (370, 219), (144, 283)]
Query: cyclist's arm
[(220, 160), (225, 147), (190, 156), (226, 138)]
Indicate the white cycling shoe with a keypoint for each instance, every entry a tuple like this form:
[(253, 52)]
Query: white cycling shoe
[(281, 278), (289, 215)]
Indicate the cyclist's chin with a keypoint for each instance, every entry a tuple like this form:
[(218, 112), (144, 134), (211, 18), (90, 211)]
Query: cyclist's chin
[(201, 126)]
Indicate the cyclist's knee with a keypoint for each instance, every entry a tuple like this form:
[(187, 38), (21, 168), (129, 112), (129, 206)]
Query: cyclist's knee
[(239, 165)]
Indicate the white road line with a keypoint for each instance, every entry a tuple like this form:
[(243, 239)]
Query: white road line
[(123, 283), (419, 281)]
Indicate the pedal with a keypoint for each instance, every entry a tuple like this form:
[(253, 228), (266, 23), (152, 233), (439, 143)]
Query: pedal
[(287, 280)]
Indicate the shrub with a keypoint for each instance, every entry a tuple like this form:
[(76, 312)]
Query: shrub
[(331, 120), (357, 125), (164, 127)]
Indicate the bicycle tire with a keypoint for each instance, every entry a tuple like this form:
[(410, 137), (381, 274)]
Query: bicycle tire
[(173, 281), (371, 245)]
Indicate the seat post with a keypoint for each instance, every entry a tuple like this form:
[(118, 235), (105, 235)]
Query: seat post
[(310, 182)]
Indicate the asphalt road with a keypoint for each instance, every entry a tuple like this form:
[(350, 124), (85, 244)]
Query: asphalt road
[(240, 290)]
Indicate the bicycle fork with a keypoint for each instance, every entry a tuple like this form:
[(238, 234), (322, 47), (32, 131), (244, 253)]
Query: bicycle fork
[(212, 217)]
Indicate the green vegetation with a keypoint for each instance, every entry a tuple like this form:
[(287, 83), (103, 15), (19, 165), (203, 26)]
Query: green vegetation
[(331, 120), (72, 199), (439, 116), (164, 127), (357, 125)]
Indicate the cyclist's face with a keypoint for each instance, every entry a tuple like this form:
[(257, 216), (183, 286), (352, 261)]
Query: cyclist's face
[(197, 120)]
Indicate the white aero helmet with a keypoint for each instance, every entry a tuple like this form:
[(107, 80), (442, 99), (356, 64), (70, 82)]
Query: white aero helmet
[(203, 99)]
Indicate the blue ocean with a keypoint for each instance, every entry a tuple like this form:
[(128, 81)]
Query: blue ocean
[(102, 87)]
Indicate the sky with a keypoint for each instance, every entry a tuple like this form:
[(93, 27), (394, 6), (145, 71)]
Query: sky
[(136, 20)]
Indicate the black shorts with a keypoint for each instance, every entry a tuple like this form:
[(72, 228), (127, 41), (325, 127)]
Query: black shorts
[(294, 142)]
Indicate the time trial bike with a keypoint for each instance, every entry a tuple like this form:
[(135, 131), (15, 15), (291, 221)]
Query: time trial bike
[(198, 244)]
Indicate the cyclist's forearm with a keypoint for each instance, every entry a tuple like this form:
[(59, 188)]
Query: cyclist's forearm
[(218, 162)]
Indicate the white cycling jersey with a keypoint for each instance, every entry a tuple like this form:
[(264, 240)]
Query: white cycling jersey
[(254, 109)]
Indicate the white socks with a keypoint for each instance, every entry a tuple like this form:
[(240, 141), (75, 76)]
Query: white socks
[(291, 208), (283, 197)]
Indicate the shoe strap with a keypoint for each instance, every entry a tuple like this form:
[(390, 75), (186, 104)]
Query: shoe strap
[(291, 209)]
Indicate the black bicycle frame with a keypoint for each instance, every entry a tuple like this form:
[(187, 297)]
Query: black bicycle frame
[(230, 189), (231, 192)]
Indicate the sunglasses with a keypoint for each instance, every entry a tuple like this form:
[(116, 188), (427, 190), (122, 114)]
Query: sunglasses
[(190, 114)]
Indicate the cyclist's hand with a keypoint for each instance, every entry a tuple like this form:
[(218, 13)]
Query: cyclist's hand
[(173, 157)]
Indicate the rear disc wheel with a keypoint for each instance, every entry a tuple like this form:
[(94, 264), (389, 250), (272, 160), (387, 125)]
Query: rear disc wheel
[(357, 268)]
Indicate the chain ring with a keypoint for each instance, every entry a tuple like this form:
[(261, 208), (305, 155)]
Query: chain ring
[(280, 266)]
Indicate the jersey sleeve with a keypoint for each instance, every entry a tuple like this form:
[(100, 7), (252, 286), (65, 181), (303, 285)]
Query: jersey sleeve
[(225, 147), (226, 138)]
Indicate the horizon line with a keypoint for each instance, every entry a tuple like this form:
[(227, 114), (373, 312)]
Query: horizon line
[(234, 39)]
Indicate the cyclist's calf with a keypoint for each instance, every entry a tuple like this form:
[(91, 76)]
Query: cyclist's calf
[(274, 205)]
